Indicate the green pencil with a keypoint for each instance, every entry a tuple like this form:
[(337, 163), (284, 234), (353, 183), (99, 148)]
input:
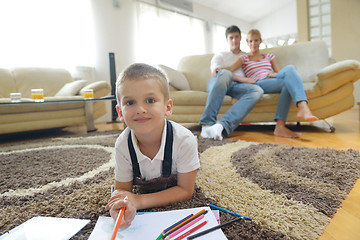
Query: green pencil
[(160, 236)]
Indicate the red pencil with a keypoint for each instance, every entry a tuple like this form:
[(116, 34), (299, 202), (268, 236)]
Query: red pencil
[(191, 231), (118, 221)]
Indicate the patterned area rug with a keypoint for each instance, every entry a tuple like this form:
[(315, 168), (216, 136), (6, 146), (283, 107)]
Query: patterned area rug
[(291, 192)]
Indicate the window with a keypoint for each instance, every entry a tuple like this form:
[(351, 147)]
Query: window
[(320, 21), (284, 40), (165, 36), (219, 39), (43, 33)]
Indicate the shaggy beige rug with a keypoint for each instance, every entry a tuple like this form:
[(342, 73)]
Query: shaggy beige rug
[(290, 192)]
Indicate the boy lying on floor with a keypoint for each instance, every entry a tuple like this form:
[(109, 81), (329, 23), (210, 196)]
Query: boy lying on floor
[(160, 156)]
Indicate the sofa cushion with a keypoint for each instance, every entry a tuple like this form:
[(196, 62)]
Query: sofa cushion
[(302, 56), (49, 79), (338, 74), (175, 78), (72, 88), (196, 69), (101, 88), (7, 83)]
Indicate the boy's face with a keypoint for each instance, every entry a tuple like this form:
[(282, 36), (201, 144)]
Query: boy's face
[(142, 106)]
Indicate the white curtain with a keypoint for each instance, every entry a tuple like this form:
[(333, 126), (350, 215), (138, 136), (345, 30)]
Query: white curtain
[(164, 36), (46, 33), (219, 39)]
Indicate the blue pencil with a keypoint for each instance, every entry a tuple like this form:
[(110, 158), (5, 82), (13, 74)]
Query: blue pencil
[(175, 224), (230, 212)]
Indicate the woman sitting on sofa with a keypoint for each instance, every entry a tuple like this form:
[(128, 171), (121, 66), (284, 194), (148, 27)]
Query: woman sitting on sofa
[(265, 70)]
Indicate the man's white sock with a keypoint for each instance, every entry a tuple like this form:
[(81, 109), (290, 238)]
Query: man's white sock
[(215, 131), (204, 133)]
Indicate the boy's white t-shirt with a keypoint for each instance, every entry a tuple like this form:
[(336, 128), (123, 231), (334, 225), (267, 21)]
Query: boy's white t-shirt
[(185, 155), (226, 59)]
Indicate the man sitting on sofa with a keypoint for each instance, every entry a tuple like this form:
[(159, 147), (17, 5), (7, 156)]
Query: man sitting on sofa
[(223, 83)]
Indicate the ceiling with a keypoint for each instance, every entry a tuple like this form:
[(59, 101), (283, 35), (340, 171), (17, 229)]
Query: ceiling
[(247, 10)]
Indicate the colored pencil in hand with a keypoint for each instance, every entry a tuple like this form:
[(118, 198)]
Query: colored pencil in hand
[(118, 221)]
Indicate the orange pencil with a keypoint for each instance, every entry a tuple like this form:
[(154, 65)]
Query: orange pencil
[(184, 222), (118, 221)]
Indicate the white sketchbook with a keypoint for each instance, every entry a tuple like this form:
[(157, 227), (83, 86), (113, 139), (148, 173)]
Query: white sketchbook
[(46, 228), (150, 225)]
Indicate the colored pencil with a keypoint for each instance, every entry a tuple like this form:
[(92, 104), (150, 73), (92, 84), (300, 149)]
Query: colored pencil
[(191, 231), (230, 212), (184, 222), (177, 223), (118, 221), (160, 236), (213, 228), (183, 228)]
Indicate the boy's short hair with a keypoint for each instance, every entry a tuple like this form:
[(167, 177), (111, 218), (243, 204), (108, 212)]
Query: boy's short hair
[(253, 32), (232, 29), (139, 71)]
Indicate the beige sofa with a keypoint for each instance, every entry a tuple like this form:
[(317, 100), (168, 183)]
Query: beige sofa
[(58, 84), (329, 87)]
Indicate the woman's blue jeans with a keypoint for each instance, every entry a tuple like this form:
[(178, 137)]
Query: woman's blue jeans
[(290, 86), (218, 87)]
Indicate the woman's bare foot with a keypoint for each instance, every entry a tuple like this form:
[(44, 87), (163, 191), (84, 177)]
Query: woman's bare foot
[(282, 131), (305, 113)]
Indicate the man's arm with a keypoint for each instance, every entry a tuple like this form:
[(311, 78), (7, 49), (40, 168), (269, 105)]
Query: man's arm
[(216, 63), (237, 64), (213, 73)]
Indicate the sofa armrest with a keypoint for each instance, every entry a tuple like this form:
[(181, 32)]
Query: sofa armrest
[(100, 88), (335, 75)]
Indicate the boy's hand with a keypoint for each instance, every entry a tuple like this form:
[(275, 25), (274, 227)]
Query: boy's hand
[(116, 202)]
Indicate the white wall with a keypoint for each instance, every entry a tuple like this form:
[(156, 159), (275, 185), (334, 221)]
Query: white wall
[(215, 17), (345, 34), (283, 22), (114, 32), (218, 17)]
